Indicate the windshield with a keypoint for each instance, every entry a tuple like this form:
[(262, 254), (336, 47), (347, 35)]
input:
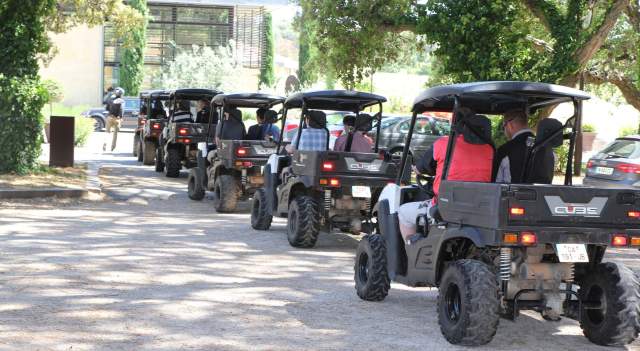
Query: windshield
[(623, 148), (132, 104)]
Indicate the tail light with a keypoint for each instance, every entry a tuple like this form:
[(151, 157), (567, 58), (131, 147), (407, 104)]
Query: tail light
[(635, 241), (328, 166), (333, 182), (528, 238), (336, 133), (633, 214), (619, 240), (590, 164), (155, 126), (244, 163), (242, 151), (183, 131), (629, 168), (516, 211)]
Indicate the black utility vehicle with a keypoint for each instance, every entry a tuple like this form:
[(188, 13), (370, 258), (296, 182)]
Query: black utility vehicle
[(178, 145), (495, 249), (233, 168), (151, 120), (323, 190)]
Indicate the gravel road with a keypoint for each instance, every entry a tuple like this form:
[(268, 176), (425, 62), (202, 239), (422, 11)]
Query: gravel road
[(148, 269)]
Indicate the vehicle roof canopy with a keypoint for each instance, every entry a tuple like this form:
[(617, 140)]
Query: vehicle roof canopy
[(495, 97), (156, 94), (336, 100), (194, 94), (257, 100)]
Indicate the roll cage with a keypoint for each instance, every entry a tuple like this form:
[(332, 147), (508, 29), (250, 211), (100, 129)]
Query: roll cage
[(151, 96), (335, 100), (496, 97), (189, 94)]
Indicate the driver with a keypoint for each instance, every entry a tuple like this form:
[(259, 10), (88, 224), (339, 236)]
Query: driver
[(472, 161)]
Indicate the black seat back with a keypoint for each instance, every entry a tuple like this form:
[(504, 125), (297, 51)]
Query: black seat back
[(232, 128)]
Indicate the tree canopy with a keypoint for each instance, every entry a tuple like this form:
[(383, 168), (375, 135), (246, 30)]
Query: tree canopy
[(132, 60)]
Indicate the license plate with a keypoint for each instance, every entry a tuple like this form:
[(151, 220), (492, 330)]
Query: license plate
[(572, 253), (361, 191), (604, 170)]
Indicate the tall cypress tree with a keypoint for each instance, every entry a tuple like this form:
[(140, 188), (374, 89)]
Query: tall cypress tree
[(267, 76), (132, 59)]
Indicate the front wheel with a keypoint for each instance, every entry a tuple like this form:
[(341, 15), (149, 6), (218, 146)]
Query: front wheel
[(468, 304), (260, 217), (174, 163), (225, 193), (614, 289), (159, 160), (303, 223), (195, 189), (372, 279)]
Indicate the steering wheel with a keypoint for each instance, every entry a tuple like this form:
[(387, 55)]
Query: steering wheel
[(425, 182)]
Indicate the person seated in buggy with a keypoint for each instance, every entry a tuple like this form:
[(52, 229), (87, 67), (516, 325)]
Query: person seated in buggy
[(472, 161), (264, 129), (356, 128), (314, 136), (233, 127), (183, 112), (204, 112)]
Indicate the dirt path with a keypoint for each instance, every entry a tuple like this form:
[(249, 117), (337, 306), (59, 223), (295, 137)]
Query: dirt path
[(157, 271)]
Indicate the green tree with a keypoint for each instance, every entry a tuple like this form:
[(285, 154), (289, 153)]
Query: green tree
[(132, 60), (267, 76), (307, 74)]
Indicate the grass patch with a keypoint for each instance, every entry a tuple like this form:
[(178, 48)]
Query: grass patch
[(46, 177)]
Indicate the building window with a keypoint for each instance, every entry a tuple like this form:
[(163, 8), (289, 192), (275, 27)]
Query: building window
[(181, 26)]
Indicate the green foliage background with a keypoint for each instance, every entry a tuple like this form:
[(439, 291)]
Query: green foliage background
[(267, 76), (132, 59)]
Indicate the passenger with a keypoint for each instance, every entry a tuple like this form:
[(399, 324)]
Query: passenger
[(472, 161), (360, 142), (232, 127), (158, 111), (183, 112), (314, 137), (204, 111)]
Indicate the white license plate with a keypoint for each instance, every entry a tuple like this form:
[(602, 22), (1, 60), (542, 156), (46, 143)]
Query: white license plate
[(604, 170), (572, 253), (361, 191)]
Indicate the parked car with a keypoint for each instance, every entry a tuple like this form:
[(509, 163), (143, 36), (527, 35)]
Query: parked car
[(617, 165), (394, 131), (130, 114)]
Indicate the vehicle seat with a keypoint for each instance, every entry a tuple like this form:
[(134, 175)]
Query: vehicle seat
[(182, 117), (232, 128), (540, 159)]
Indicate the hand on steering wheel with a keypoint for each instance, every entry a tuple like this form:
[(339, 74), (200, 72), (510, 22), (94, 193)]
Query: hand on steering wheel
[(425, 182)]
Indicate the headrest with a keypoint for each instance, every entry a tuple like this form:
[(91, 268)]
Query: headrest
[(475, 129), (270, 116), (364, 123), (317, 119), (236, 115), (546, 128)]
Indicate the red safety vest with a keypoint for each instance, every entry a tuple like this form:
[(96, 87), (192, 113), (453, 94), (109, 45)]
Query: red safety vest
[(469, 163)]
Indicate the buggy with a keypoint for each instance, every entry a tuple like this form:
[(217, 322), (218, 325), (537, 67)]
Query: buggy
[(324, 190), (151, 121), (180, 136), (495, 249), (232, 168)]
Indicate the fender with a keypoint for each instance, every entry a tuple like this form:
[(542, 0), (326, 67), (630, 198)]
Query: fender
[(391, 193), (463, 232)]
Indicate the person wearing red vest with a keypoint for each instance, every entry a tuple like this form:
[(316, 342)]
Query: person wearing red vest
[(472, 161)]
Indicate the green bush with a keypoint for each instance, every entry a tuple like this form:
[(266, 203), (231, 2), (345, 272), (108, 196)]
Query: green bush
[(83, 128), (628, 130), (562, 153), (21, 100), (588, 128)]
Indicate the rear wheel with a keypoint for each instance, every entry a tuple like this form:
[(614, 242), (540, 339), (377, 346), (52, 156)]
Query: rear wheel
[(372, 279), (302, 223), (468, 303), (195, 189), (136, 146), (174, 164), (148, 153), (615, 288), (225, 197), (260, 217), (159, 160), (98, 124)]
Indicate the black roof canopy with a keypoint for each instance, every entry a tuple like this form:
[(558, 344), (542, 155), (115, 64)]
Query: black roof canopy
[(336, 100), (255, 100), (156, 94), (194, 93), (495, 97)]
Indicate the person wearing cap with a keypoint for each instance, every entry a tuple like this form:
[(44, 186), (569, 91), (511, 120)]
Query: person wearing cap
[(359, 141), (115, 110)]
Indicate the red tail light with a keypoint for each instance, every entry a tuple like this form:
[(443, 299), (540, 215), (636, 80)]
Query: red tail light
[(528, 238), (516, 211), (590, 164), (633, 214), (328, 166), (619, 240), (334, 182), (155, 126), (629, 168), (241, 151), (183, 131)]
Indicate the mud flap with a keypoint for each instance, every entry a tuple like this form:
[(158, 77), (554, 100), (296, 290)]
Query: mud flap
[(390, 230)]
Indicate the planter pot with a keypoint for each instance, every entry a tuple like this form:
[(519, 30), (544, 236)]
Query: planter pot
[(587, 140)]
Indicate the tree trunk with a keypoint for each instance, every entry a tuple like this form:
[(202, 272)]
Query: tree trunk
[(586, 51)]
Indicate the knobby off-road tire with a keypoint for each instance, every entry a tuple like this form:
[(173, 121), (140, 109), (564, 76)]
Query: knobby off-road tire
[(159, 160), (260, 218), (616, 287), (226, 191), (173, 166), (148, 153), (195, 188), (303, 223), (372, 279), (136, 145), (468, 305)]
